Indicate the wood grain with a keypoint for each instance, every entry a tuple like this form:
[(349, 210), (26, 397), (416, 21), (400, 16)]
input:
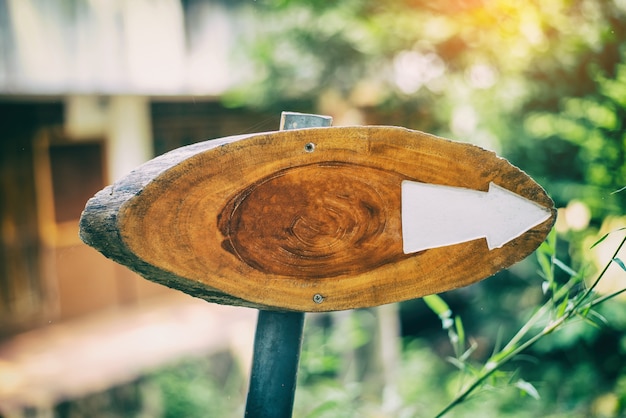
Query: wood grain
[(304, 220), (321, 220)]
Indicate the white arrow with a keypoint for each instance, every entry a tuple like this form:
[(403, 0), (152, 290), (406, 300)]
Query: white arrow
[(436, 216)]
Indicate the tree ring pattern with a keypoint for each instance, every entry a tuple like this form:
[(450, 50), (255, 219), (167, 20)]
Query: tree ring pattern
[(318, 220)]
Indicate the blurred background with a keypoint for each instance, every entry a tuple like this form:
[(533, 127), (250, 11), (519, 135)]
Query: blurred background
[(90, 89)]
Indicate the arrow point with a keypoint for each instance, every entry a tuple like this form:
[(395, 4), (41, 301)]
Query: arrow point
[(511, 215)]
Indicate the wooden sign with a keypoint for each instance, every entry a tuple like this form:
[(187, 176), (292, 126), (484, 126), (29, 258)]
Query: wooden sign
[(320, 219)]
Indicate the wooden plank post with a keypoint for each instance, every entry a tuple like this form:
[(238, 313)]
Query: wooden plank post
[(321, 219), (278, 337), (317, 220)]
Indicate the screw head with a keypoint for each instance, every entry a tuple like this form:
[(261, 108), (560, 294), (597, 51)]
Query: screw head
[(317, 298), (310, 147)]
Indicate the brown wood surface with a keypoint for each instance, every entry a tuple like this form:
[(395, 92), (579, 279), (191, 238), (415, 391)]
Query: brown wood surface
[(270, 221)]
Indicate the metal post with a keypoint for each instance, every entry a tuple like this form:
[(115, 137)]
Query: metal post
[(278, 337), (277, 345)]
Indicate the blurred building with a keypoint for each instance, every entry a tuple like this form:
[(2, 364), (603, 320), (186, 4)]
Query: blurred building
[(89, 90)]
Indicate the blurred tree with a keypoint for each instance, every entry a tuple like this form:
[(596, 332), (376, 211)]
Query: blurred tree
[(465, 61), (588, 135)]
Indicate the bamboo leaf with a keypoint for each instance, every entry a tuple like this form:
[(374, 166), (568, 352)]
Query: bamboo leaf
[(544, 248), (562, 308), (438, 306), (546, 266), (595, 319), (460, 331), (545, 256), (527, 388), (584, 311), (549, 245), (499, 356), (605, 236), (565, 267), (469, 351), (620, 263), (618, 190), (456, 363), (600, 240)]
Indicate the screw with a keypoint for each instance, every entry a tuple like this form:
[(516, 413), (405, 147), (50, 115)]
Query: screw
[(310, 147), (318, 298)]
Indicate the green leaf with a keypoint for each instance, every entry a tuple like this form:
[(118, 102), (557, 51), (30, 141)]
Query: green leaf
[(469, 351), (527, 388), (618, 190), (562, 307), (499, 356), (438, 306), (460, 330), (548, 247), (595, 319), (605, 236), (544, 248), (546, 266), (456, 363), (584, 311), (565, 267), (620, 263), (545, 257), (600, 240)]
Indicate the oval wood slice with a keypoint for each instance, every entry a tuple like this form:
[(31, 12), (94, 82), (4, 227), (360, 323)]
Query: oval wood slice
[(302, 220)]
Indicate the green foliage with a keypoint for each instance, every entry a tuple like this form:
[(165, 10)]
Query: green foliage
[(593, 128), (566, 302), (407, 52), (192, 388)]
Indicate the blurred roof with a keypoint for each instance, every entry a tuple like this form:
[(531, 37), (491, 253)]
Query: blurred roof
[(153, 47)]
